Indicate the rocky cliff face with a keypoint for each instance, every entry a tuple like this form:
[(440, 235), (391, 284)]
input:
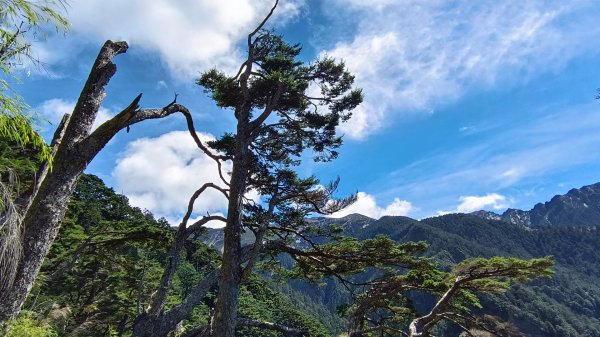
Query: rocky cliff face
[(578, 207), (517, 217)]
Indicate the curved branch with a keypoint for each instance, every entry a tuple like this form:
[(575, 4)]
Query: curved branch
[(195, 196), (198, 224), (133, 115), (264, 21), (192, 130), (255, 124)]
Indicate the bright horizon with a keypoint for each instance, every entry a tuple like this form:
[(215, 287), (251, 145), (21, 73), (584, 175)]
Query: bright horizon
[(468, 106)]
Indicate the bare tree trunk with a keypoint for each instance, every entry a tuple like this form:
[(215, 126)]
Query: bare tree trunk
[(47, 207), (74, 147)]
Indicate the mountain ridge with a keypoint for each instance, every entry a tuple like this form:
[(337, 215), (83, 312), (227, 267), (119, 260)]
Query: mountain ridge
[(577, 207), (566, 227)]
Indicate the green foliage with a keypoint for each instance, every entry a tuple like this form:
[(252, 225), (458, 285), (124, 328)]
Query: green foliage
[(104, 263), (22, 21), (108, 259), (17, 126), (564, 305), (497, 273), (269, 94), (387, 301), (278, 123), (347, 256), (18, 166), (259, 301), (22, 161), (29, 325)]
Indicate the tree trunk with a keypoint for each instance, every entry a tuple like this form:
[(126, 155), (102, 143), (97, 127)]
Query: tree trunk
[(146, 325), (74, 147), (225, 319), (231, 272), (47, 207)]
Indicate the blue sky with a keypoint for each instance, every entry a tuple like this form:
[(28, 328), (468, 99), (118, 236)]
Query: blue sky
[(468, 104)]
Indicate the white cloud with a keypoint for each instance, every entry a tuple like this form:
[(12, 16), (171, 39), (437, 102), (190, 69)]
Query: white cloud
[(160, 174), (366, 205), (474, 203), (189, 35), (414, 55), (53, 109)]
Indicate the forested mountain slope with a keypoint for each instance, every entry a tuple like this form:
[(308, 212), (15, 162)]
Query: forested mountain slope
[(568, 304), (108, 259), (106, 262)]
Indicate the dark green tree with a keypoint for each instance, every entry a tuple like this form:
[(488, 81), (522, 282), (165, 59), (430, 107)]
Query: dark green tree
[(277, 121), (385, 308)]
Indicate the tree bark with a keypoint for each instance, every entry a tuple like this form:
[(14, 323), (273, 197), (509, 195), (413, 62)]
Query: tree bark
[(74, 147), (47, 207), (231, 271)]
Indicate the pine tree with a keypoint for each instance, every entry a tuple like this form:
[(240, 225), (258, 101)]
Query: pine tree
[(277, 121)]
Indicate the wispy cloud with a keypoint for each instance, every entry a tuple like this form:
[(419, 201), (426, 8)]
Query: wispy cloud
[(416, 55), (517, 155)]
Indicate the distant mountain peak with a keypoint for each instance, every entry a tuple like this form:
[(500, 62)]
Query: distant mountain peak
[(517, 217), (356, 217), (487, 215), (578, 207)]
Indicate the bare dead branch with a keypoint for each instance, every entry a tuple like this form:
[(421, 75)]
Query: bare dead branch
[(195, 196), (198, 224), (261, 25), (195, 296), (92, 95), (270, 326)]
